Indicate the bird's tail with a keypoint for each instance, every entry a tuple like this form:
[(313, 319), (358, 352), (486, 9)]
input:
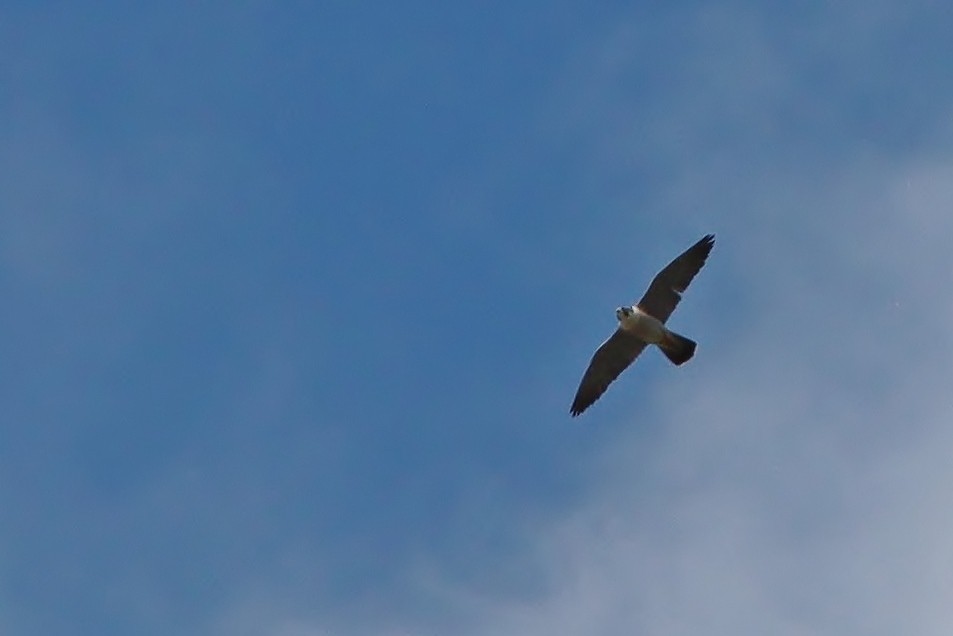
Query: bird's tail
[(677, 348)]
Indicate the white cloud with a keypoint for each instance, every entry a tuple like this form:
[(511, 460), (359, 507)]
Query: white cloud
[(787, 496)]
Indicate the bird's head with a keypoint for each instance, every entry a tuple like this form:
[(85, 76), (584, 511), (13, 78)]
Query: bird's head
[(622, 312)]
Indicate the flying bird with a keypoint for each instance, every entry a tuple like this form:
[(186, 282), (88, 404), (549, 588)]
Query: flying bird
[(644, 324)]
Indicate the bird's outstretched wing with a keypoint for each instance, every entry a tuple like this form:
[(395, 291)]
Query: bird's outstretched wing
[(666, 289), (609, 360)]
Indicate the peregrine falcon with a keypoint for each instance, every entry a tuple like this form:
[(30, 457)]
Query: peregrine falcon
[(643, 324)]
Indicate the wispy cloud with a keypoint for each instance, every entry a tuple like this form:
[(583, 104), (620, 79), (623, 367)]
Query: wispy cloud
[(800, 484)]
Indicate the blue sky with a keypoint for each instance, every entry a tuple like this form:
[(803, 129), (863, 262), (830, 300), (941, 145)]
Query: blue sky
[(297, 297)]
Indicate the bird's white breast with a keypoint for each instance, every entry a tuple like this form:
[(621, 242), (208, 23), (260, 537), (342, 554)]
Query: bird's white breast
[(646, 327)]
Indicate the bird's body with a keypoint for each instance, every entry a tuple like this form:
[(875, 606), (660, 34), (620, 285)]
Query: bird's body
[(640, 324), (643, 324)]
